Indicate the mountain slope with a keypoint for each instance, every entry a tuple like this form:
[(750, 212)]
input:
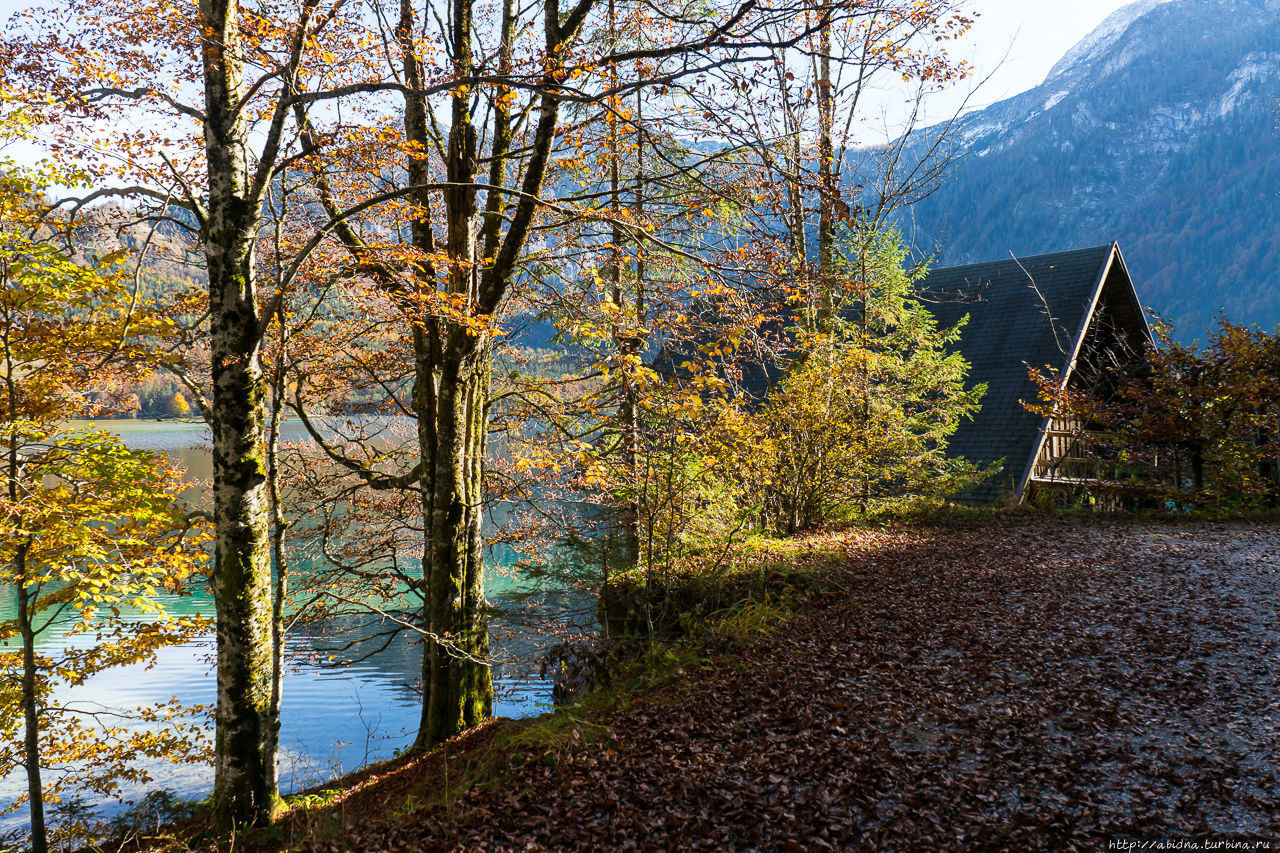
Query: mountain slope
[(1158, 130)]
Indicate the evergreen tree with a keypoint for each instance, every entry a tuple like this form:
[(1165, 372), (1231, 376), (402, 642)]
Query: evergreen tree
[(864, 415)]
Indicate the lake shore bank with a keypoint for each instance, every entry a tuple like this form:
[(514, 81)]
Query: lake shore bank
[(1026, 681)]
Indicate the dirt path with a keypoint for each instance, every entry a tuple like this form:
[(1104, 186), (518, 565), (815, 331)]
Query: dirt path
[(1019, 686)]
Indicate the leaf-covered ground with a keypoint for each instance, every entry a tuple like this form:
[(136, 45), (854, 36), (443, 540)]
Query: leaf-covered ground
[(1044, 684)]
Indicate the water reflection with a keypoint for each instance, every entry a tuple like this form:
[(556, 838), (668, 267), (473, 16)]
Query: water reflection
[(337, 714)]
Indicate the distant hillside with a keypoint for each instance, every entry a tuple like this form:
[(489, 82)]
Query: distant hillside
[(1158, 130)]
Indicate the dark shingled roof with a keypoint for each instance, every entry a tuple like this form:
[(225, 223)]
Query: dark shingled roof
[(1021, 312)]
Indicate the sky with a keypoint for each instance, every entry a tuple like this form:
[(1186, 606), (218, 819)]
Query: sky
[(1016, 42), (1034, 34)]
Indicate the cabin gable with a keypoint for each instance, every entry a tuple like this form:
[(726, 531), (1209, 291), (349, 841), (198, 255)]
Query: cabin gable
[(1043, 312), (1116, 334)]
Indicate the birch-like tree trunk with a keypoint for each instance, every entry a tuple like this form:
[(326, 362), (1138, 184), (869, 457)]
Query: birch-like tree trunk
[(244, 787)]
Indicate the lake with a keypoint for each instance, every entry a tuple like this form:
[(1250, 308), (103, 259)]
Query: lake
[(334, 719)]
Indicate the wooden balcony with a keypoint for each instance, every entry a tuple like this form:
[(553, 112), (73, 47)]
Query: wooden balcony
[(1069, 455)]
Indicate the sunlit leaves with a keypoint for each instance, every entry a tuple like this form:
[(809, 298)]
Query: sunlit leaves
[(864, 416), (91, 532)]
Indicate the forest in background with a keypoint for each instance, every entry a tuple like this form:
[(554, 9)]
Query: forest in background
[(372, 198)]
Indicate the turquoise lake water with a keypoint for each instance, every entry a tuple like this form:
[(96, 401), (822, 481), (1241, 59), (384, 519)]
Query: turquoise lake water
[(333, 719)]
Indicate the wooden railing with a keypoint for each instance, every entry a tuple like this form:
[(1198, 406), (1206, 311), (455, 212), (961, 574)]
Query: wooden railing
[(1065, 456)]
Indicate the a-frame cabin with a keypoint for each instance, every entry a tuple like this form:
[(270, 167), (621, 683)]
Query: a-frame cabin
[(1074, 311)]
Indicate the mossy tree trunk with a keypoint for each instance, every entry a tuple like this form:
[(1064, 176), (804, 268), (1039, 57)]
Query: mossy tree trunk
[(244, 784), (452, 372), (244, 789), (458, 690), (453, 355)]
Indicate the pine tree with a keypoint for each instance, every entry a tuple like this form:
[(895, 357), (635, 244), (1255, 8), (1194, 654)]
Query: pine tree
[(864, 415)]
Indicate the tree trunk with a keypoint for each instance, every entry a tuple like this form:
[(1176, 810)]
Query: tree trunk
[(1266, 467), (31, 716), (279, 560), (454, 362), (457, 685), (623, 336), (31, 746), (828, 189), (244, 792), (456, 682), (634, 352)]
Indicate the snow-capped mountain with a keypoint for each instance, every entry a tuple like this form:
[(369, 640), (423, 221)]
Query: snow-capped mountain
[(1157, 130), (1103, 36)]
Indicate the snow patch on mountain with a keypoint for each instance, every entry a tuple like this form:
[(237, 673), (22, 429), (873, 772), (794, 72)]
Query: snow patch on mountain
[(977, 132), (1255, 67), (1103, 36), (1055, 99), (1158, 130)]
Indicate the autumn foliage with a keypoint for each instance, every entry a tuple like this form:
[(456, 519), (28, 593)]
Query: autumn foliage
[(1192, 424), (376, 200), (91, 532)]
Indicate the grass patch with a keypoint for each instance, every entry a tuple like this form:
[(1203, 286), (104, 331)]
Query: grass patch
[(760, 574)]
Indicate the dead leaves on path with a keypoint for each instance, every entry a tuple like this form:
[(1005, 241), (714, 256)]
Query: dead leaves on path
[(1019, 686)]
